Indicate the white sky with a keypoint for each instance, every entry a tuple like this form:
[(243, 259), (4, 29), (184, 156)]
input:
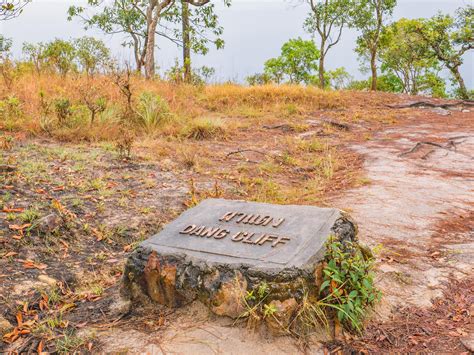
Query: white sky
[(254, 31)]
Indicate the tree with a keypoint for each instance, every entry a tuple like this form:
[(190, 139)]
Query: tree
[(5, 46), (60, 55), (404, 53), (369, 17), (139, 19), (339, 78), (36, 54), (298, 62), (199, 28), (6, 65), (11, 8), (259, 79), (119, 17), (449, 38), (326, 21), (275, 69), (91, 53)]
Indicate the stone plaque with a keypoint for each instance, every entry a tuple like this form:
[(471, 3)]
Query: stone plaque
[(221, 249), (257, 234)]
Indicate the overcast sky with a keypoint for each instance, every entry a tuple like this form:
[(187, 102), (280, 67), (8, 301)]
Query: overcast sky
[(254, 31)]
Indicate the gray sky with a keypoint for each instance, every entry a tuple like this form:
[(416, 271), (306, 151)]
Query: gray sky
[(254, 31)]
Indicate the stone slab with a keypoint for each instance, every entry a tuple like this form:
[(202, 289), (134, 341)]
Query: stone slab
[(259, 235), (220, 250)]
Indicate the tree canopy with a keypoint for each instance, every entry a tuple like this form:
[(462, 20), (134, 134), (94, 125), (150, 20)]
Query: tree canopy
[(449, 38), (296, 64)]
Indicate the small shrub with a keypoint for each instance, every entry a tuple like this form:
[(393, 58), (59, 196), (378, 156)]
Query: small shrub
[(10, 108), (152, 111), (63, 109), (348, 283), (124, 143), (201, 129)]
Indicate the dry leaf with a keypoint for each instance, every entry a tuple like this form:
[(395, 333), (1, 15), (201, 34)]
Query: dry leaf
[(28, 264), (39, 349), (16, 227), (10, 210), (9, 254)]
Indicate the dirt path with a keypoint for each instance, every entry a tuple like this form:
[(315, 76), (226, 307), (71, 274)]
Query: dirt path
[(418, 208)]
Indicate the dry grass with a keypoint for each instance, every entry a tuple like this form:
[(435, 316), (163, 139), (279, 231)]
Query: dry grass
[(31, 105), (192, 129)]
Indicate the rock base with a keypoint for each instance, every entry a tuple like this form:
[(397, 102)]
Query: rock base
[(176, 279)]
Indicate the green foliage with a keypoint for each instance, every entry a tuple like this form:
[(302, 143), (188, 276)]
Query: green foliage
[(11, 8), (152, 111), (35, 53), (259, 79), (60, 54), (91, 54), (199, 76), (369, 17), (297, 62), (449, 38), (338, 78), (348, 284), (389, 83), (403, 53), (63, 109), (10, 108), (130, 17), (204, 28), (326, 21), (5, 46)]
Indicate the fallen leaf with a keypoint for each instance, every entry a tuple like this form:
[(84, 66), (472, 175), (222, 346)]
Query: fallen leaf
[(39, 349), (9, 210), (28, 264), (9, 254), (16, 227), (19, 319)]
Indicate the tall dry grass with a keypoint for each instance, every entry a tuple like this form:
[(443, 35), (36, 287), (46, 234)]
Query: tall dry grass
[(182, 107)]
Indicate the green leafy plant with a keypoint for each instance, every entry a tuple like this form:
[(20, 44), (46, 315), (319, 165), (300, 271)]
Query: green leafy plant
[(152, 111), (348, 283), (63, 109)]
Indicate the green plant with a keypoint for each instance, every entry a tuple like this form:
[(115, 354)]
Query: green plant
[(348, 283), (69, 343), (29, 216), (63, 109), (10, 108), (152, 111), (297, 63)]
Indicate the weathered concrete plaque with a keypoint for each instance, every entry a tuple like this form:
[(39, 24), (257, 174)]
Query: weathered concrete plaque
[(256, 234), (219, 249)]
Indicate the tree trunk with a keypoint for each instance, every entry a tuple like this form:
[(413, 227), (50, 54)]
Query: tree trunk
[(322, 82), (152, 22), (462, 86), (186, 42), (373, 68)]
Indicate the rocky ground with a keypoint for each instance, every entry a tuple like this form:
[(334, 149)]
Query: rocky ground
[(72, 213)]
